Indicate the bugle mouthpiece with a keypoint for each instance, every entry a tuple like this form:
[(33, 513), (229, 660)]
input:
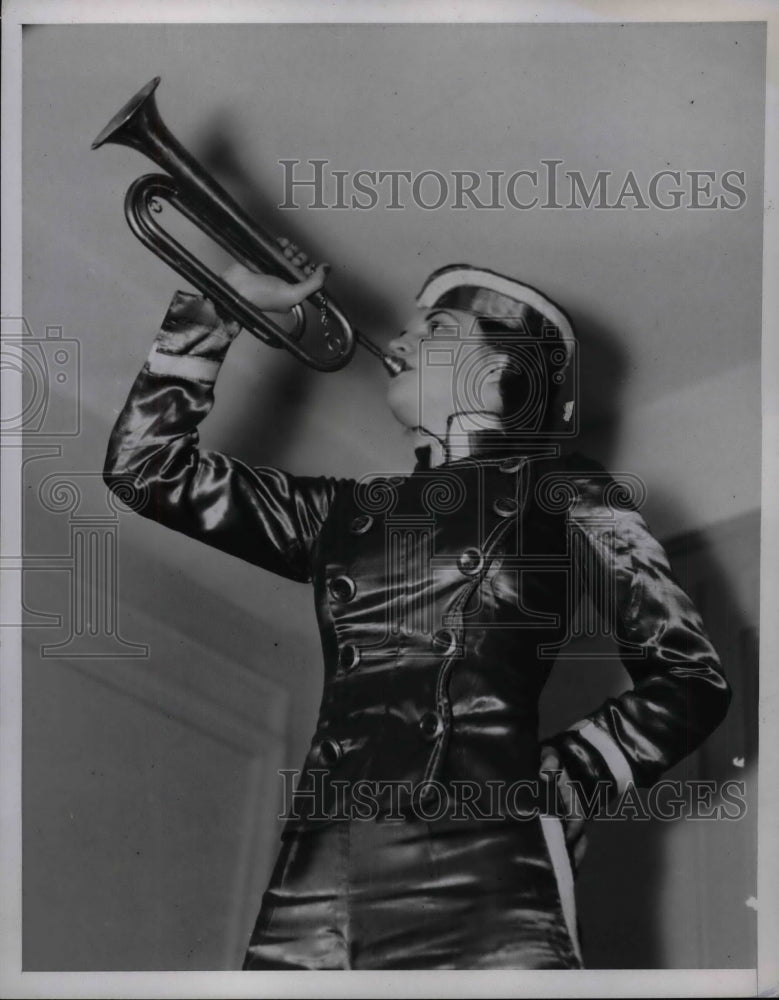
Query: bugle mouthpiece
[(394, 366)]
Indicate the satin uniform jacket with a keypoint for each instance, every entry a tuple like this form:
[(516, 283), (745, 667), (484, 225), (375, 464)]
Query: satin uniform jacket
[(442, 597)]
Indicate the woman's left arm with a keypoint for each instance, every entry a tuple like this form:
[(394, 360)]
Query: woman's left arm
[(679, 694)]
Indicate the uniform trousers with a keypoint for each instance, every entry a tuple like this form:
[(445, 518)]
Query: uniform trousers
[(415, 894)]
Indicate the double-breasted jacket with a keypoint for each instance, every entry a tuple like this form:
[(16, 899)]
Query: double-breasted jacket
[(442, 598)]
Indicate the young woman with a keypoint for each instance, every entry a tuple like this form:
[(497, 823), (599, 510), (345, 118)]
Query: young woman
[(419, 835)]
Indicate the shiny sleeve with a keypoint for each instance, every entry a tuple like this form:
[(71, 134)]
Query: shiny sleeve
[(262, 515), (679, 694)]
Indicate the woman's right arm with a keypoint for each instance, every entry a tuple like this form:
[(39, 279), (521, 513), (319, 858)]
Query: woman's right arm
[(262, 515)]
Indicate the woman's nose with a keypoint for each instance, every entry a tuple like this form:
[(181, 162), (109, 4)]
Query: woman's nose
[(400, 347)]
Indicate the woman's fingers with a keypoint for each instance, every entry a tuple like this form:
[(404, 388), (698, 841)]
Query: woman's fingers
[(289, 294), (295, 255), (270, 293), (309, 285)]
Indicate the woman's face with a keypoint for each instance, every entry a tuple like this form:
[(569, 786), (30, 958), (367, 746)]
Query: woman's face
[(449, 370)]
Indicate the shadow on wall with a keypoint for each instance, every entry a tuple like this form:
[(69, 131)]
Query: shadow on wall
[(220, 151), (603, 366)]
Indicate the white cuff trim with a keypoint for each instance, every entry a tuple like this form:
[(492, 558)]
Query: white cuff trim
[(615, 759), (183, 365)]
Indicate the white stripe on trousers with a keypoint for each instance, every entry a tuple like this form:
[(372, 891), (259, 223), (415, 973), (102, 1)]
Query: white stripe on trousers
[(552, 828)]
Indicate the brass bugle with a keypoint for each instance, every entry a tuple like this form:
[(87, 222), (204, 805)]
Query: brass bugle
[(192, 191)]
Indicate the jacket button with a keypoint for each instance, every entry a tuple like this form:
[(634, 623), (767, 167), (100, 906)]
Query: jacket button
[(329, 752), (349, 657), (510, 465), (470, 561), (342, 589), (505, 507), (431, 725), (361, 524), (445, 641)]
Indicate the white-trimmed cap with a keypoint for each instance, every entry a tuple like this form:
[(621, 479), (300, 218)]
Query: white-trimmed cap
[(493, 295)]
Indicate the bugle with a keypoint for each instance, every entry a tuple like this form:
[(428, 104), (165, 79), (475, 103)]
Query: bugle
[(188, 188)]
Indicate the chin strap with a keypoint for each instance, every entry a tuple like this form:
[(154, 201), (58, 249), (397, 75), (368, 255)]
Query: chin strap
[(443, 444), (490, 437)]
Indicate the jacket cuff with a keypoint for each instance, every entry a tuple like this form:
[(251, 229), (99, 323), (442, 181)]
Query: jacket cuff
[(590, 755), (193, 339)]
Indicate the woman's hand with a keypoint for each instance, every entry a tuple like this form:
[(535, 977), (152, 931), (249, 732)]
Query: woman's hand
[(272, 294), (573, 822)]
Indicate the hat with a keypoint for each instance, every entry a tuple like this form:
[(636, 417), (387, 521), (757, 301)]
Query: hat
[(489, 294), (486, 293)]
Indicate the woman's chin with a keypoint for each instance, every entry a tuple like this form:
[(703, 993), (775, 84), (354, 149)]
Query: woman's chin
[(404, 405)]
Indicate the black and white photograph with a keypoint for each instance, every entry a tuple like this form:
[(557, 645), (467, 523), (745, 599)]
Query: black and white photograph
[(387, 398)]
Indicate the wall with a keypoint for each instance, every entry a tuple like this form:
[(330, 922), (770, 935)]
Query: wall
[(149, 777)]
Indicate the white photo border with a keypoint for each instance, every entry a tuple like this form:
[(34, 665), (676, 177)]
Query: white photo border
[(764, 981)]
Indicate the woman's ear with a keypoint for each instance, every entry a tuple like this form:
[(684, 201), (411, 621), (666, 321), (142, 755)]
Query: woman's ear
[(490, 375), (495, 364)]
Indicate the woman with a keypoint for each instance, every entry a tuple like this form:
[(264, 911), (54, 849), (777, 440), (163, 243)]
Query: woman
[(419, 835)]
